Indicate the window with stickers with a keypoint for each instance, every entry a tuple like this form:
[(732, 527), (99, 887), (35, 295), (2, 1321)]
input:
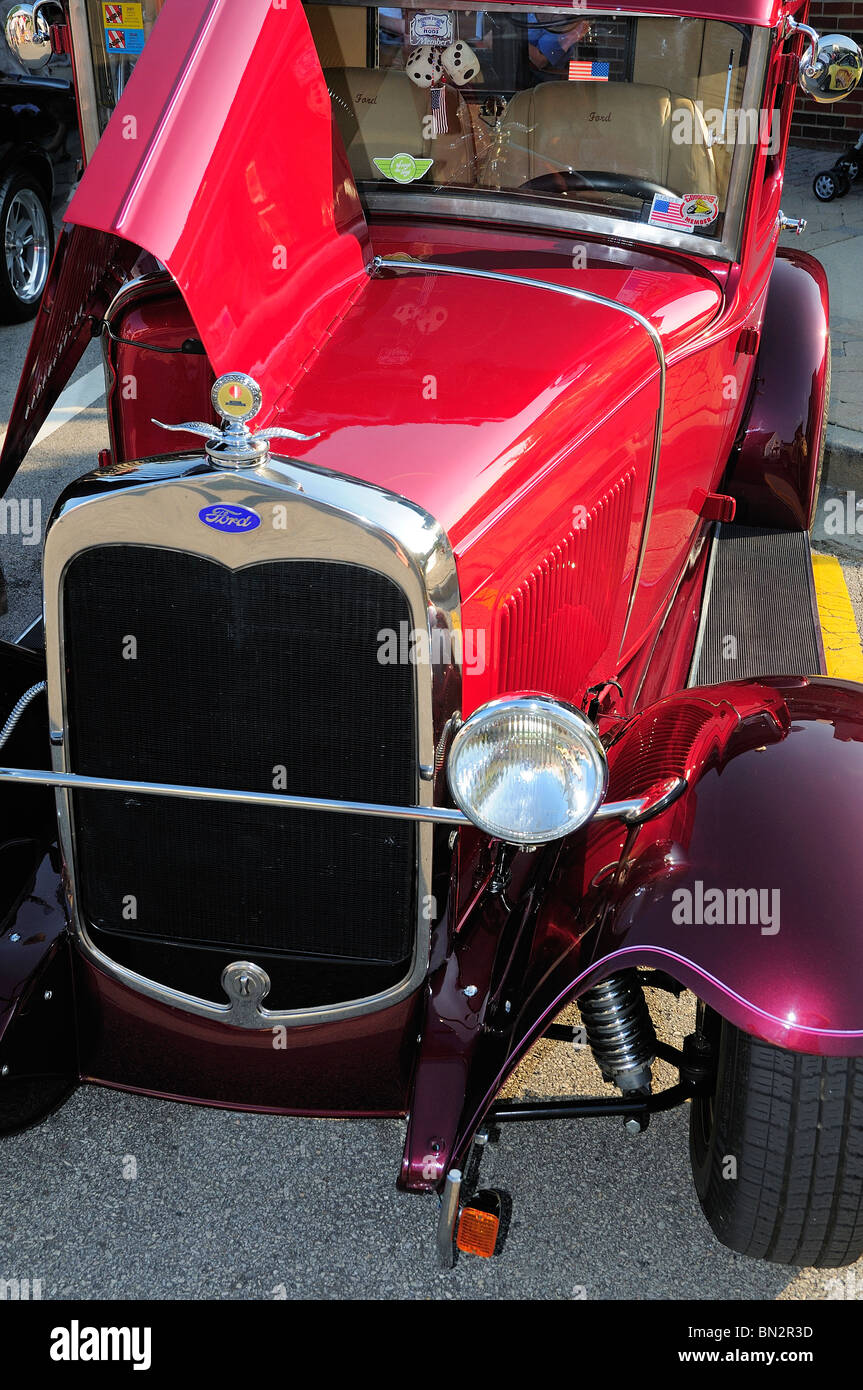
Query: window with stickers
[(108, 39), (567, 117)]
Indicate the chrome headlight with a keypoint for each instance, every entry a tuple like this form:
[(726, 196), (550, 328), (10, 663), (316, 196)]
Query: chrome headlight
[(527, 769)]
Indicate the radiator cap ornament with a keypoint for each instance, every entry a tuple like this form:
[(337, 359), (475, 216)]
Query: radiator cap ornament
[(236, 398)]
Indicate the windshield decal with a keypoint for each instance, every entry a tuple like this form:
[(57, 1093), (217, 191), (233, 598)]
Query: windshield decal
[(589, 72), (435, 27), (692, 210), (668, 212), (403, 168), (700, 209)]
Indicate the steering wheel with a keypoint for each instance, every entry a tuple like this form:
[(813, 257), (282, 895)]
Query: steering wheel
[(601, 181)]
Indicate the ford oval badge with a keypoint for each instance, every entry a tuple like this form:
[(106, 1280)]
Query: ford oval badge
[(223, 518)]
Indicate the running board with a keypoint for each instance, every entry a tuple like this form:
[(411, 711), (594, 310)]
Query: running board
[(760, 614)]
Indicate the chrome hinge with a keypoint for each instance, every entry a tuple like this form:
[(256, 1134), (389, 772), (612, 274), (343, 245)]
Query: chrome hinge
[(791, 224)]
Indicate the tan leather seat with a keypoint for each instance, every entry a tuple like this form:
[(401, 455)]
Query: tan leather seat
[(694, 54), (620, 127), (380, 112)]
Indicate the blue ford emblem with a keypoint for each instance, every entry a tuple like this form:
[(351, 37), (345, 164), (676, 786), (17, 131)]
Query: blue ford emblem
[(223, 518)]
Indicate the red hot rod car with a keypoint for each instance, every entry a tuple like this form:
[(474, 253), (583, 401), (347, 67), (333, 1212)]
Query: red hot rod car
[(481, 674)]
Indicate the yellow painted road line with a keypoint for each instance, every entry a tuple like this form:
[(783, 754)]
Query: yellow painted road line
[(842, 649)]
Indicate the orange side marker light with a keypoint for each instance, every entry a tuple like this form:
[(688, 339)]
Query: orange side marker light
[(477, 1232)]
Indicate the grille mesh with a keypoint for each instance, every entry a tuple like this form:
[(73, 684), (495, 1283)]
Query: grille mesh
[(235, 675)]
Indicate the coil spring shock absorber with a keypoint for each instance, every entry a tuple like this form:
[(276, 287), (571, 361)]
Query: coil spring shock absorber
[(619, 1030)]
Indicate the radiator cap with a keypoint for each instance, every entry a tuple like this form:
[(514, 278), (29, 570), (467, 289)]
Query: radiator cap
[(236, 398)]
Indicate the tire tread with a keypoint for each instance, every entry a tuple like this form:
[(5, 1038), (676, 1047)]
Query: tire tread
[(794, 1122)]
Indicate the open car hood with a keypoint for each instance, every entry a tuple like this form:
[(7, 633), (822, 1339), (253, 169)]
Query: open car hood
[(221, 160)]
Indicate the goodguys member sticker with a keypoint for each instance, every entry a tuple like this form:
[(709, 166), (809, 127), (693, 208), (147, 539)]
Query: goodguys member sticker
[(692, 210), (434, 27), (403, 167), (701, 208)]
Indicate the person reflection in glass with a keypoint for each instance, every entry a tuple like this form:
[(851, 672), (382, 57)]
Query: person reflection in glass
[(550, 50)]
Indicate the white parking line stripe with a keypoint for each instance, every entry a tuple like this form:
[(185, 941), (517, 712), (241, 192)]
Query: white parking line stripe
[(72, 401)]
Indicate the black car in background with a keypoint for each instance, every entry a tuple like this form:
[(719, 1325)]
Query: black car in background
[(39, 149)]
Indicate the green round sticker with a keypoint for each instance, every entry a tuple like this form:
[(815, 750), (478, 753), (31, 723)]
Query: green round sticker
[(403, 168)]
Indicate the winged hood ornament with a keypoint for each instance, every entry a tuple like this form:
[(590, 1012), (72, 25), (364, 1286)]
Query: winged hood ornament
[(236, 398)]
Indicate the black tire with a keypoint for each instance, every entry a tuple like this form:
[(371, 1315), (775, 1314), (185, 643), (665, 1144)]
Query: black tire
[(825, 186), (20, 294), (844, 183), (794, 1124)]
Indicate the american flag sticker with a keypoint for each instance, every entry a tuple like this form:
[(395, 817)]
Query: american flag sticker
[(668, 212), (588, 72)]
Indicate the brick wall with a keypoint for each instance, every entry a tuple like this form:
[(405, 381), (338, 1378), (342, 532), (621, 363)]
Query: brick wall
[(837, 125)]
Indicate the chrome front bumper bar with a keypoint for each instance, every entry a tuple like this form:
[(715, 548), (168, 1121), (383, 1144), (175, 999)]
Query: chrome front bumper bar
[(631, 811)]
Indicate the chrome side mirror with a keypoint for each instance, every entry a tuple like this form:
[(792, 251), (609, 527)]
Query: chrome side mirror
[(832, 65), (28, 33)]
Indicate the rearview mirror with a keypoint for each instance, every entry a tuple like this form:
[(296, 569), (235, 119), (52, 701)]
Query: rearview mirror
[(832, 65), (28, 34)]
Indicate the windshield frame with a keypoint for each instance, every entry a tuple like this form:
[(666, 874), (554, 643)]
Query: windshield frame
[(497, 207)]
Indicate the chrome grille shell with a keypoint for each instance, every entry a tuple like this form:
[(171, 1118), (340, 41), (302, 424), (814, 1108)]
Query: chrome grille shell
[(322, 516)]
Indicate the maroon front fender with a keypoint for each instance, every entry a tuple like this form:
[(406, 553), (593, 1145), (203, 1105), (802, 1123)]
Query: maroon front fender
[(776, 812), (767, 833), (773, 478)]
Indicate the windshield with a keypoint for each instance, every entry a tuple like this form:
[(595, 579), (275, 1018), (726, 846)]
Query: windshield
[(639, 120)]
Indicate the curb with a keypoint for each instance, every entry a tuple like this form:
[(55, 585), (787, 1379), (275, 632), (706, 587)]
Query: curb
[(843, 457), (843, 653)]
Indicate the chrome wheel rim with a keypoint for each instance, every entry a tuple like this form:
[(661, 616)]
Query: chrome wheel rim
[(825, 186), (27, 245)]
